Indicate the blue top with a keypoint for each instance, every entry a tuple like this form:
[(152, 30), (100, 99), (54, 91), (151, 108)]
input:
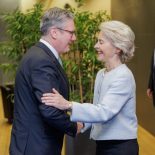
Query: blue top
[(112, 116)]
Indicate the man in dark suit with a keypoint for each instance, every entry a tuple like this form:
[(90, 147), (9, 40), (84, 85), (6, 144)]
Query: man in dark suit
[(37, 128), (151, 85)]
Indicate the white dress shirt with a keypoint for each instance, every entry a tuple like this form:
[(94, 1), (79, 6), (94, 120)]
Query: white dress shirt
[(50, 47)]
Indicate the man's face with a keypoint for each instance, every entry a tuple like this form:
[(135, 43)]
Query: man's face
[(66, 36)]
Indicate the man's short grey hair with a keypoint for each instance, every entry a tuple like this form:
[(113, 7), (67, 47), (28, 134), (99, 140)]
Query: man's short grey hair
[(54, 17), (121, 36)]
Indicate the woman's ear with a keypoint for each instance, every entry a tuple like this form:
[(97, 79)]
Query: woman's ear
[(118, 50)]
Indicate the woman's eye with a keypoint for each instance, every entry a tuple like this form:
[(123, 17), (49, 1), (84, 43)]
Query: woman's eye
[(101, 41)]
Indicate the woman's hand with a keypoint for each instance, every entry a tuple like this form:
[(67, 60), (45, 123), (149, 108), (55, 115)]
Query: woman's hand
[(56, 100)]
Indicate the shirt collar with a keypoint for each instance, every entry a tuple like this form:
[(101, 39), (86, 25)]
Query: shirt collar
[(50, 47)]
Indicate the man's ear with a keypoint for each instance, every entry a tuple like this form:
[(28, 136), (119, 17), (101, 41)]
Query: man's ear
[(53, 33)]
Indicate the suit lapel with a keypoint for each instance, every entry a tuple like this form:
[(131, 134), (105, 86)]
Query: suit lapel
[(55, 61)]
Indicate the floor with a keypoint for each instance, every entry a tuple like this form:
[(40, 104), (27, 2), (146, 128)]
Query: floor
[(145, 139)]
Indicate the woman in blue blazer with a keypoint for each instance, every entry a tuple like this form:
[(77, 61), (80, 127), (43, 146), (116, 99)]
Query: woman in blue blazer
[(112, 116)]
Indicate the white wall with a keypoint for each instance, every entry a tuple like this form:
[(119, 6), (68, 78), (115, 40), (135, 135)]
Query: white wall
[(26, 4), (8, 5), (96, 5), (90, 5)]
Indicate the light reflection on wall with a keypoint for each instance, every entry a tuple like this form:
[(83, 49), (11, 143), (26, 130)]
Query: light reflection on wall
[(89, 5)]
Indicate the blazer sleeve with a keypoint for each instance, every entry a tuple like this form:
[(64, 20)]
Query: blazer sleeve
[(44, 77), (112, 102)]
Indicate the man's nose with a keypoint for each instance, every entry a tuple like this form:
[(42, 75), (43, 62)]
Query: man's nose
[(74, 37)]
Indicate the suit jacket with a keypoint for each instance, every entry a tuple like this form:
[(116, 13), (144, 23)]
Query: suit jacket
[(37, 128), (151, 84)]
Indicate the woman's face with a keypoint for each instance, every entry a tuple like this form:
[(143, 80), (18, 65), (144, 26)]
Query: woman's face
[(105, 50)]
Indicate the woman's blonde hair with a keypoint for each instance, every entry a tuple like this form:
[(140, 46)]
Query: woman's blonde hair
[(121, 36)]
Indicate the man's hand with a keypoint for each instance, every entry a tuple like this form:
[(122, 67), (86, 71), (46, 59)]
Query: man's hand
[(149, 93), (79, 127)]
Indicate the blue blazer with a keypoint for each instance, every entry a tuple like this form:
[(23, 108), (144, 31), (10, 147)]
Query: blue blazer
[(112, 116), (37, 128)]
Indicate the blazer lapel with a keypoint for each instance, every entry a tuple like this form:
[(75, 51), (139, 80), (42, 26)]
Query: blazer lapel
[(54, 60)]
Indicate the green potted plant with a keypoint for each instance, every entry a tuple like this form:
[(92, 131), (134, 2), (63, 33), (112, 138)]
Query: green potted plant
[(23, 31), (80, 63), (81, 66)]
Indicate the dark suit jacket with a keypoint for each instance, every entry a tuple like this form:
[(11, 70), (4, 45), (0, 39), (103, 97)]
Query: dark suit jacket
[(151, 84), (39, 129)]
